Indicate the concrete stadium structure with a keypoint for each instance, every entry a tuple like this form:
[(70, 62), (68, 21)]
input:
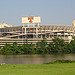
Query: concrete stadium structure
[(34, 32)]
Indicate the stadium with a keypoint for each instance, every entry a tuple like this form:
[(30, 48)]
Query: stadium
[(33, 31)]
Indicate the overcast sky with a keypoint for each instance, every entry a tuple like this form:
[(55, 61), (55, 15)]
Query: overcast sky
[(51, 11)]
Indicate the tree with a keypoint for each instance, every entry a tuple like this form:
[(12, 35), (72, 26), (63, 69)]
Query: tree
[(67, 48), (15, 48), (6, 50), (28, 48), (72, 46), (56, 46), (41, 47)]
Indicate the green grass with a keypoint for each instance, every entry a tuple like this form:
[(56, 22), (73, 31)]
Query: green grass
[(38, 69)]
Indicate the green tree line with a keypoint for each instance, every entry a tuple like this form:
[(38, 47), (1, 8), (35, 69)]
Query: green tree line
[(57, 46)]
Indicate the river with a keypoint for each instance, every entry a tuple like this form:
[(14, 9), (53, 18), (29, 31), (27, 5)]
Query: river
[(33, 59)]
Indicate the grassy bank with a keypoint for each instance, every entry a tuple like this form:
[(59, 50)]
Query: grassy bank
[(36, 69)]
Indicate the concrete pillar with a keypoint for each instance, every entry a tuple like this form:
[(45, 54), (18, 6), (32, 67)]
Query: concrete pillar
[(37, 32), (25, 30)]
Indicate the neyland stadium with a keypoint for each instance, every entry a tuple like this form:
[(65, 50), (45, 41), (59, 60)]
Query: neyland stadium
[(33, 31)]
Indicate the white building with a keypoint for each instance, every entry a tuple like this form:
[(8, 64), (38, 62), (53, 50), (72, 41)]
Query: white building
[(4, 25)]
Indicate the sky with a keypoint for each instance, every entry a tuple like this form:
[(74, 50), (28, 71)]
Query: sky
[(50, 11)]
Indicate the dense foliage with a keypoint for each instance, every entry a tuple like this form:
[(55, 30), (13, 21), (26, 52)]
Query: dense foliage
[(57, 46)]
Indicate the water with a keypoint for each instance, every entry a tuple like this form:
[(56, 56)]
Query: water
[(33, 59)]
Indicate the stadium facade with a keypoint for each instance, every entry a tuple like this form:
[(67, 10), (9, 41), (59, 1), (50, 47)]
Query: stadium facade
[(32, 31)]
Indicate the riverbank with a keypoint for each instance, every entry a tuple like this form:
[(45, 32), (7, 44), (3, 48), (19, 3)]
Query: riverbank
[(38, 69), (34, 59)]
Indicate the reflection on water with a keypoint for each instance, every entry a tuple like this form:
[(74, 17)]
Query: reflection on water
[(33, 59)]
